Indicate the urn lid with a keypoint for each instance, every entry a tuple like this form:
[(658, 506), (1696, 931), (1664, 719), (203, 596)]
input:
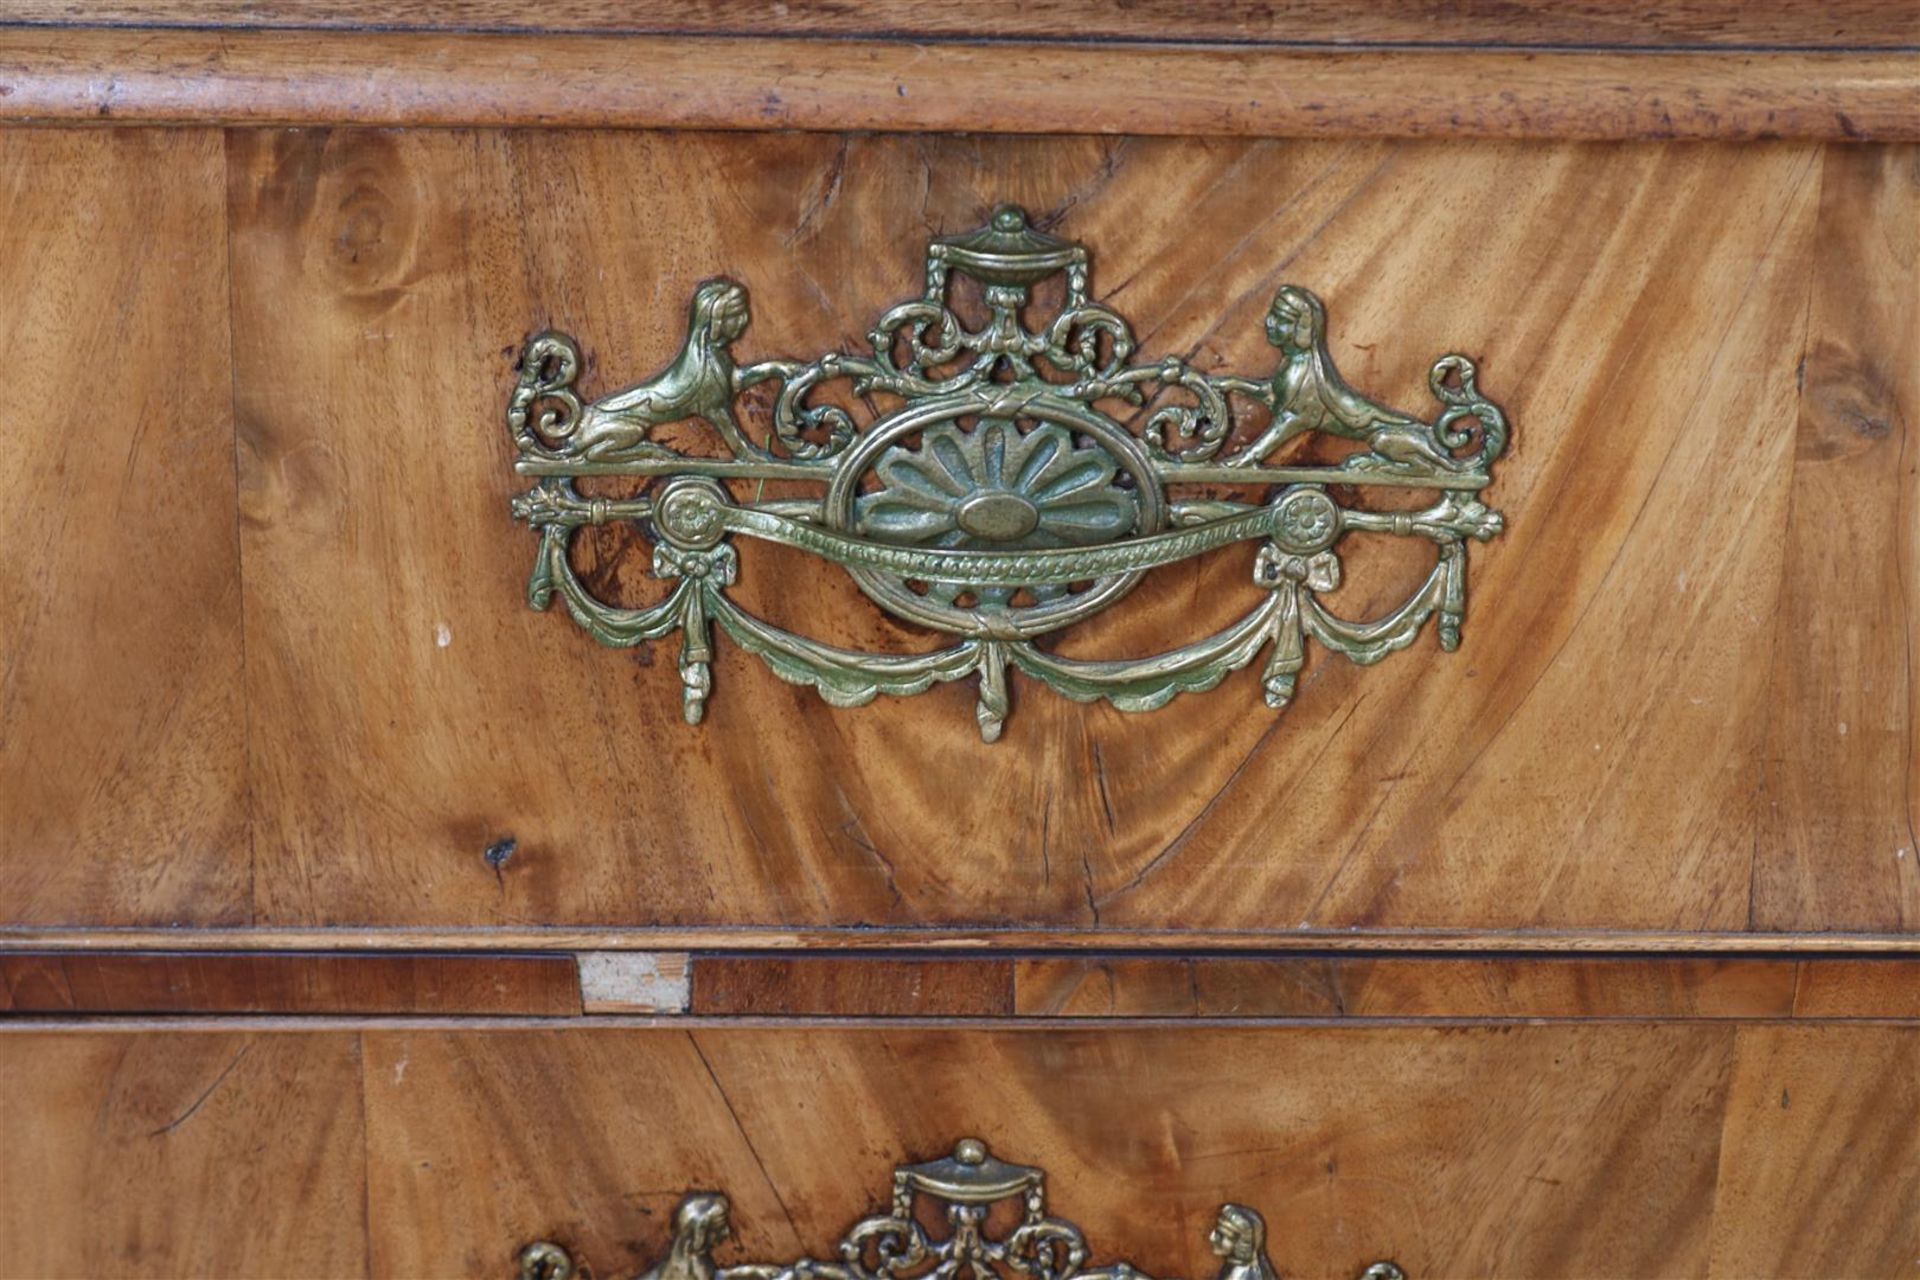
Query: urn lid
[(1007, 250), (969, 1176)]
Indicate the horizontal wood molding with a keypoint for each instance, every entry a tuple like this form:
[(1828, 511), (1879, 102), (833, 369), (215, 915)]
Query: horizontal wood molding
[(1293, 987), (1682, 24), (1049, 986), (179, 982), (1666, 987), (827, 986), (255, 77), (940, 939)]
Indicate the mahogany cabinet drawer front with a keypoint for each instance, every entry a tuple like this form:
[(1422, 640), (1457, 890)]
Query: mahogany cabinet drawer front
[(1682, 700), (1539, 1150)]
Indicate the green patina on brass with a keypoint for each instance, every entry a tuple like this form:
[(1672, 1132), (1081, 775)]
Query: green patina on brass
[(992, 493)]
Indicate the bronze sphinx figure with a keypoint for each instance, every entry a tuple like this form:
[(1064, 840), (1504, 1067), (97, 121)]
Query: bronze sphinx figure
[(1307, 394)]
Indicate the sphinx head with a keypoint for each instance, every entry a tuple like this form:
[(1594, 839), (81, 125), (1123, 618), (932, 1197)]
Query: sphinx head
[(719, 311), (1239, 1235), (1296, 321), (700, 1224)]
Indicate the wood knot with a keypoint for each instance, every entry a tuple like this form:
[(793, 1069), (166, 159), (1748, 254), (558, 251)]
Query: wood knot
[(370, 234), (1846, 405)]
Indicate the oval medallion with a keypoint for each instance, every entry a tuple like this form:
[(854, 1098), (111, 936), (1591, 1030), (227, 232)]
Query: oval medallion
[(1051, 474)]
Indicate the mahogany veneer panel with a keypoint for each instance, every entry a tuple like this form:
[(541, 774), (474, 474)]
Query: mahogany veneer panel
[(1619, 1149), (1794, 1122), (1844, 704), (122, 725), (1605, 752), (582, 1135), (171, 1155)]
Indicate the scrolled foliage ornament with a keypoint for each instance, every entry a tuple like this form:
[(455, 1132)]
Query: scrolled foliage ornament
[(995, 495)]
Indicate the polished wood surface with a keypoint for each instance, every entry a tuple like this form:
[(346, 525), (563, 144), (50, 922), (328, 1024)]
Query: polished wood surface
[(149, 982), (175, 76), (1683, 707), (1601, 755), (1615, 1149), (1464, 987), (862, 986), (1734, 24), (1793, 1129), (122, 712), (170, 1155), (1843, 696), (1889, 988), (356, 920)]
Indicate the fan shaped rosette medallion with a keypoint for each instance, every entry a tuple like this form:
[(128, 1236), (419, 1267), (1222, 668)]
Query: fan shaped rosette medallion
[(1013, 483), (997, 489)]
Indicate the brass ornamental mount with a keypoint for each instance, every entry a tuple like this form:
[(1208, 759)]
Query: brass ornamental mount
[(940, 1226), (1001, 483)]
